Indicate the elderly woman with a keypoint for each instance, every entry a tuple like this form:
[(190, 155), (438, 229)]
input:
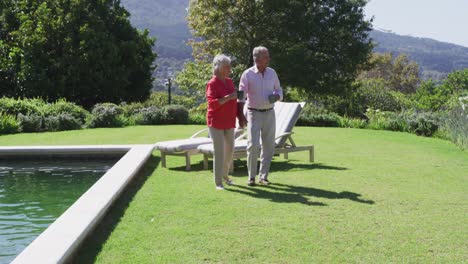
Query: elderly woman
[(221, 117)]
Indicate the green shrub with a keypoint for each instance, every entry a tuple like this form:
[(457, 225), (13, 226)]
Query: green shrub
[(160, 99), (63, 107), (199, 110), (61, 122), (132, 109), (319, 120), (175, 114), (150, 116), (422, 123), (8, 124), (106, 115), (313, 115), (197, 119), (11, 106), (373, 93), (456, 125), (352, 122), (30, 122)]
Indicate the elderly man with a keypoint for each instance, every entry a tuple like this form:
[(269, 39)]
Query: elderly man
[(262, 89)]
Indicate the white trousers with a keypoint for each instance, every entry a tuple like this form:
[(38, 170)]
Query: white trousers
[(261, 125), (223, 143)]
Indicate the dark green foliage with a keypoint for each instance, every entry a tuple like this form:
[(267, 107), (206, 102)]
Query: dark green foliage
[(106, 115), (317, 46), (398, 73), (175, 114), (150, 116), (196, 119), (21, 106), (319, 117), (431, 96), (85, 51), (456, 125), (30, 122), (373, 93), (419, 123), (61, 122), (160, 99), (422, 124), (8, 124), (63, 108)]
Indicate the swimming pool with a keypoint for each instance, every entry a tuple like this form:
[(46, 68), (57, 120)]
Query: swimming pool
[(34, 193)]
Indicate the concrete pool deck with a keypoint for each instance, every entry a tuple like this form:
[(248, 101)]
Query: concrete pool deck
[(60, 240)]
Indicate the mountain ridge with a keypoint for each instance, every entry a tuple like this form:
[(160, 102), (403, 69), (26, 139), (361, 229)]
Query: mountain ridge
[(166, 20)]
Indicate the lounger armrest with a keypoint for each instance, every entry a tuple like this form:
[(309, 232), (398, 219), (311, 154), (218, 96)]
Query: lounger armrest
[(242, 136), (199, 132), (284, 135)]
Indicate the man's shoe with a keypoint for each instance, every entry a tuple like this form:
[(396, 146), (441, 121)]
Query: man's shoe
[(251, 182), (264, 182), (219, 187), (229, 181)]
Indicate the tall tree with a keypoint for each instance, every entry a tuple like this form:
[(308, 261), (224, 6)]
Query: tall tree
[(316, 45), (399, 73), (83, 50)]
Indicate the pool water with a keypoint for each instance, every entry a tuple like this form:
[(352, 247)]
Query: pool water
[(35, 193)]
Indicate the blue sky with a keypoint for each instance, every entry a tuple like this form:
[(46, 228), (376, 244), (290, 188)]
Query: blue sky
[(444, 20)]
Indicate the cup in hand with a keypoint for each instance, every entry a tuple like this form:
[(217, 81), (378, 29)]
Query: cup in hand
[(272, 98), (240, 95)]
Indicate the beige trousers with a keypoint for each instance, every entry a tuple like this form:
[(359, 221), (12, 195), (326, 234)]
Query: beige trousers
[(260, 125), (223, 143)]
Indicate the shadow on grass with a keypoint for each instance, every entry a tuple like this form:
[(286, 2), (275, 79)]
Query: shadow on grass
[(240, 167), (284, 165), (92, 245), (283, 193)]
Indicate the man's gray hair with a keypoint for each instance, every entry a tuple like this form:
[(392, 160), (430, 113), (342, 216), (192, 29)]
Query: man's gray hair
[(257, 51), (219, 61)]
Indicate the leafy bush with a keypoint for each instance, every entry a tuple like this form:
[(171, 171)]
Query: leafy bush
[(353, 122), (132, 109), (199, 110), (8, 124), (106, 115), (373, 93), (149, 116), (63, 107), (11, 106), (30, 123), (317, 116), (175, 114), (197, 119), (61, 122), (421, 123), (456, 125), (160, 99)]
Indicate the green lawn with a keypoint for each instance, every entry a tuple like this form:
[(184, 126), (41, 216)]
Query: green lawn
[(371, 197)]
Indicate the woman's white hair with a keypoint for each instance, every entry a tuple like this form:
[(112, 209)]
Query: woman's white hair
[(257, 51), (219, 61)]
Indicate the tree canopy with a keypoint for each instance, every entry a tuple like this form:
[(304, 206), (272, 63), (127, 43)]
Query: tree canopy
[(316, 45), (399, 73), (83, 50)]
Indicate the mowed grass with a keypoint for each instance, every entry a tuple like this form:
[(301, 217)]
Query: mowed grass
[(370, 197)]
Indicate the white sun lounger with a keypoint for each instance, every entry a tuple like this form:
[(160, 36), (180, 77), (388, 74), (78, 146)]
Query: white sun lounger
[(287, 115)]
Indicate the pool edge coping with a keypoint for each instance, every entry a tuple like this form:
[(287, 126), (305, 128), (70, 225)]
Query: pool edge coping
[(62, 238)]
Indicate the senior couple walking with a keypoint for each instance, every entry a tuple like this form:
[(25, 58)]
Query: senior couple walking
[(259, 89)]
